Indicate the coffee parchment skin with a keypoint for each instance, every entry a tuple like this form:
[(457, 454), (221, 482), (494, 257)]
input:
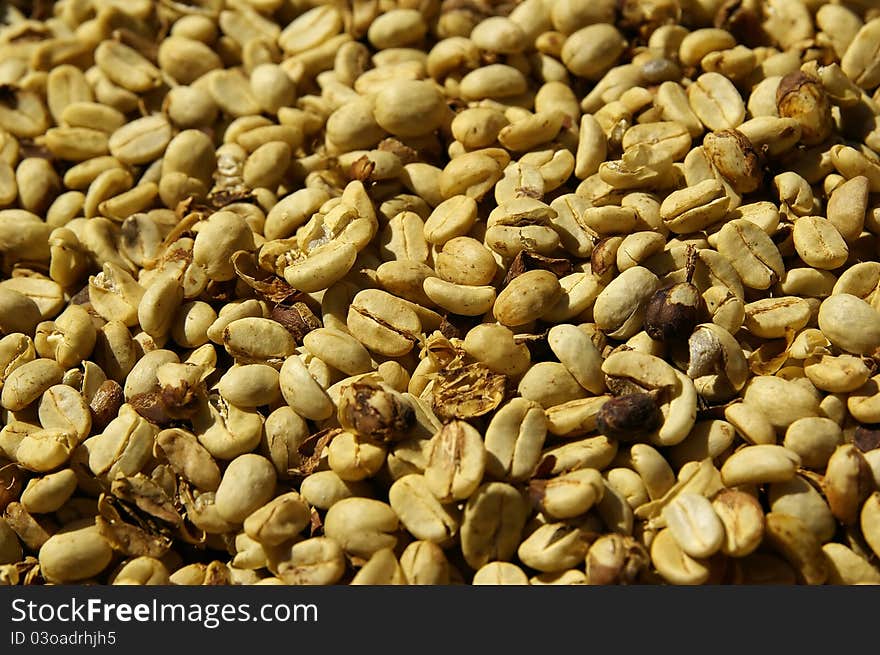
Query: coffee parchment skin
[(433, 292)]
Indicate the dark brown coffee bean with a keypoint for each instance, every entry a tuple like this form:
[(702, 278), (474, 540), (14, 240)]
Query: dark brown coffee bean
[(673, 312), (629, 416)]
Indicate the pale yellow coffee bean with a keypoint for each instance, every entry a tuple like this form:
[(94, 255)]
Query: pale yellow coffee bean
[(808, 282), (20, 314), (579, 355), (186, 59), (317, 560), (456, 462), (701, 42), (743, 520), (814, 439), (759, 464), (478, 127), (494, 345), (769, 318), (781, 401), (323, 489), (420, 512), (859, 62), (708, 438), (550, 384), (797, 544), (25, 116), (48, 493), (850, 323), (530, 131), (142, 377), (668, 140), (74, 554), (126, 67), (27, 382), (553, 547), (473, 174), (159, 304), (383, 323), (292, 211), (592, 452), (281, 519), (869, 521), (493, 81), (310, 29), (568, 495), (397, 28), (352, 126), (620, 307), (819, 243), (381, 569), (65, 84), (673, 564), (751, 253), (45, 293), (266, 165), (628, 484), (140, 141), (847, 207), (841, 374), (693, 522), (123, 447), (653, 469), (591, 51), (338, 349), (190, 106), (751, 423), (189, 458), (797, 497), (302, 392), (353, 457), (636, 248), (405, 279), (499, 34), (409, 108), (63, 407), (851, 163), (257, 339), (231, 91), (322, 267), (500, 573), (142, 570), (493, 520), (464, 260), (716, 102), (190, 326), (15, 350), (453, 217), (848, 481), (514, 439), (78, 143), (574, 418), (250, 385), (247, 484), (527, 297), (846, 567), (461, 299), (592, 147), (361, 526), (424, 563), (403, 238)]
